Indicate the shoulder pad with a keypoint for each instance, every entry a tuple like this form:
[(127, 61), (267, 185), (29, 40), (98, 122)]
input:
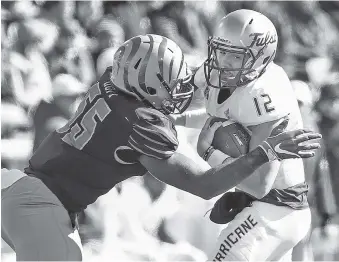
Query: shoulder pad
[(153, 134)]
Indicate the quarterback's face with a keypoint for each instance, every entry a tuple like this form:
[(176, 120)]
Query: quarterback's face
[(229, 60)]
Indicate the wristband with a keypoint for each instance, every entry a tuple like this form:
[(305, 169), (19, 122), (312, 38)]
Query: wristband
[(207, 153)]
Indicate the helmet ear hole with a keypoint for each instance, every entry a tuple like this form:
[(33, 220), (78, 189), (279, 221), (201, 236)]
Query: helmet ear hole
[(152, 91)]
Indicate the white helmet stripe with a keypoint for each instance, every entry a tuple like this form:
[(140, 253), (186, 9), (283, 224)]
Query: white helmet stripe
[(171, 67), (181, 63), (161, 54)]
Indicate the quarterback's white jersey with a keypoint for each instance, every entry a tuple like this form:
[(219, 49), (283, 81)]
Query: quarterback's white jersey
[(269, 98)]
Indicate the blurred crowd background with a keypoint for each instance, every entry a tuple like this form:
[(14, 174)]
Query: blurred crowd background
[(52, 51)]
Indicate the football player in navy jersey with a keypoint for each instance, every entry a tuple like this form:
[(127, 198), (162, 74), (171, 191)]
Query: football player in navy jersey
[(121, 129)]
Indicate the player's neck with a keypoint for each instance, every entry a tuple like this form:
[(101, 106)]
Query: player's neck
[(224, 94)]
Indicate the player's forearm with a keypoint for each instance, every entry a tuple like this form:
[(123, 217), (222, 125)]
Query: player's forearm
[(258, 184), (197, 178), (193, 118), (223, 177), (196, 118), (262, 179)]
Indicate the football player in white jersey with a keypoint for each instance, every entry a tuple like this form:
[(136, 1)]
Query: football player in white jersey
[(245, 85)]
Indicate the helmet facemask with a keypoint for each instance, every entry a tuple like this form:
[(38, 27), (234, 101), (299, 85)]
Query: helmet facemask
[(180, 95), (230, 76)]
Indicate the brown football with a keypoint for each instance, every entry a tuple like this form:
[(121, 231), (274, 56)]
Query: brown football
[(231, 138)]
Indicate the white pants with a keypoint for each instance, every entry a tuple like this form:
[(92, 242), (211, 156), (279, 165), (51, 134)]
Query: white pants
[(262, 232)]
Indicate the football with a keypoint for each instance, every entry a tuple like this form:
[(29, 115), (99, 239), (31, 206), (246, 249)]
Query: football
[(231, 138)]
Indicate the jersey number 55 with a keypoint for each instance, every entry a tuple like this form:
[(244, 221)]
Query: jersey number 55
[(80, 128)]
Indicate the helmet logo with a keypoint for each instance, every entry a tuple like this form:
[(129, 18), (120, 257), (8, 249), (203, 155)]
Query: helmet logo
[(226, 41), (260, 39)]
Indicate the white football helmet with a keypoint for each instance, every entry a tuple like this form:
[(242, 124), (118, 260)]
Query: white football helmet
[(152, 68), (245, 43)]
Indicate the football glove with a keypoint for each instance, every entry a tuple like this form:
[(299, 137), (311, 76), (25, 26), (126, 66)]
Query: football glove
[(289, 144)]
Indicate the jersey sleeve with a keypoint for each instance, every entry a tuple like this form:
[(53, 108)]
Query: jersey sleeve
[(153, 134)]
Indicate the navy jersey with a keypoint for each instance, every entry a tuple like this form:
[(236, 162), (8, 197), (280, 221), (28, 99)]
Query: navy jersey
[(100, 146)]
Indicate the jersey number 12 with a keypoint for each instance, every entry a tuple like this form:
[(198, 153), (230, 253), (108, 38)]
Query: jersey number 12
[(265, 103)]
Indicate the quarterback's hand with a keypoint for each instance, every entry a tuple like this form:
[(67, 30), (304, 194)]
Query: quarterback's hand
[(206, 135), (290, 144)]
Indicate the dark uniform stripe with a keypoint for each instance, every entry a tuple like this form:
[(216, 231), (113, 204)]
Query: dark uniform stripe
[(144, 63), (135, 47), (154, 138), (164, 133), (146, 135), (144, 140)]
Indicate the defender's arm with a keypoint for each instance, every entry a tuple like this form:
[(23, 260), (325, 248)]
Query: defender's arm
[(262, 179), (193, 118), (198, 178), (154, 138)]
